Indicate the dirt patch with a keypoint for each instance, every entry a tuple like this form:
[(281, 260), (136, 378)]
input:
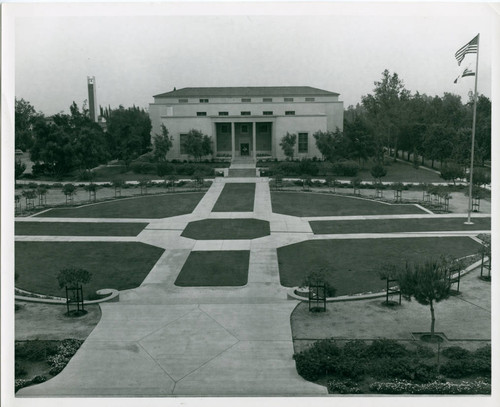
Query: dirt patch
[(49, 322)]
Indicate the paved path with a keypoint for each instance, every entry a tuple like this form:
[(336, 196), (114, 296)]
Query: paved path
[(163, 340)]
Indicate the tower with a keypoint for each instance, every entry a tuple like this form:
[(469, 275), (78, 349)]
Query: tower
[(92, 98)]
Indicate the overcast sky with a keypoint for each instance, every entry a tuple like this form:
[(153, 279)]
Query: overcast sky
[(337, 48)]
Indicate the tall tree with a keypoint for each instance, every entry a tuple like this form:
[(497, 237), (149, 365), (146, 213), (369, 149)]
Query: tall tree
[(333, 145), (386, 108), (162, 144), (197, 144), (25, 119), (287, 144), (361, 143), (128, 133)]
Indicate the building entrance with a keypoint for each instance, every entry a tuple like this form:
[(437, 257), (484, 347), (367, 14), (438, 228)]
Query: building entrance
[(244, 149)]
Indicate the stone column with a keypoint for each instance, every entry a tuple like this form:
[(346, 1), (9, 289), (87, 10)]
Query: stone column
[(233, 152), (254, 140)]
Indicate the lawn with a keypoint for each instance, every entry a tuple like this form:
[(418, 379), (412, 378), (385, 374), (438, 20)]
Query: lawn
[(119, 265), (78, 229), (352, 265), (397, 225), (158, 206), (317, 204), (221, 229), (215, 268), (236, 198)]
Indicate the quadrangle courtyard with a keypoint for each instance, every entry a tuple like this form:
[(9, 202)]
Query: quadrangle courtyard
[(206, 282)]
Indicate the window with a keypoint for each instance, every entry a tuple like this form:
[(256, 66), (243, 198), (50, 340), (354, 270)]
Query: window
[(224, 128), (290, 113), (288, 99), (310, 99), (267, 99), (201, 113), (245, 113), (223, 113), (267, 113), (183, 100), (182, 140), (263, 128), (246, 100), (244, 128), (203, 100), (303, 143)]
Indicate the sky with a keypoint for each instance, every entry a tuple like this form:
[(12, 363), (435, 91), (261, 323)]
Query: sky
[(337, 47)]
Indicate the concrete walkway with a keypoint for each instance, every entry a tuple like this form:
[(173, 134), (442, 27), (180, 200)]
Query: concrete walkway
[(163, 340)]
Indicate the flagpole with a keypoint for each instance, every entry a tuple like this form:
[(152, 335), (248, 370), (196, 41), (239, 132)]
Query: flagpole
[(469, 222)]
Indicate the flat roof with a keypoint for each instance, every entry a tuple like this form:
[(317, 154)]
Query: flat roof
[(247, 91)]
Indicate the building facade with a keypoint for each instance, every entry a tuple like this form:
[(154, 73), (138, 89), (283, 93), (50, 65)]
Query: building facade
[(247, 121)]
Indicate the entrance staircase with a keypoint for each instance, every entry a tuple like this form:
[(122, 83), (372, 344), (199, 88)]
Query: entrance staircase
[(242, 167)]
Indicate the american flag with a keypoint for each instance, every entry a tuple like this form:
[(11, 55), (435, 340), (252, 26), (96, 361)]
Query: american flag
[(469, 48)]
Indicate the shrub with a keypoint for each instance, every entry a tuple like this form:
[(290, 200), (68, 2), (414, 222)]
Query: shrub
[(315, 362), (20, 370), (35, 351), (402, 368), (346, 168), (38, 379), (309, 167), (424, 352), (458, 368), (456, 352), (355, 349), (483, 352), (165, 168), (288, 168), (346, 366), (436, 387), (343, 387), (141, 167), (386, 348), (20, 383), (66, 349)]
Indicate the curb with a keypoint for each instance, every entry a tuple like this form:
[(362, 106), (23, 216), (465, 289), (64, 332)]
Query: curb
[(368, 296), (112, 295)]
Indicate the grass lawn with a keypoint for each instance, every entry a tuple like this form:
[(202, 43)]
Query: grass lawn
[(119, 265), (317, 204), (158, 206), (220, 229), (215, 268), (78, 229), (397, 225), (352, 265), (236, 198), (402, 172)]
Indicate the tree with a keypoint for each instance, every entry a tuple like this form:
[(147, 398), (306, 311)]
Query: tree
[(333, 145), (25, 119), (69, 191), (162, 144), (128, 133), (287, 144), (19, 168), (361, 145), (452, 172), (387, 108), (378, 172), (197, 144), (73, 279), (428, 282)]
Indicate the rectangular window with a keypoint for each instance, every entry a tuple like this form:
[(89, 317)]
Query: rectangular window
[(183, 100), (288, 99), (203, 100), (224, 128), (290, 113), (267, 99), (303, 145), (244, 128), (263, 128), (246, 113), (246, 100), (267, 113), (201, 113), (310, 99), (223, 113), (182, 140)]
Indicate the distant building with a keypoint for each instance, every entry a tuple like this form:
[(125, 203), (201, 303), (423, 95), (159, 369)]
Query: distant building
[(247, 121)]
